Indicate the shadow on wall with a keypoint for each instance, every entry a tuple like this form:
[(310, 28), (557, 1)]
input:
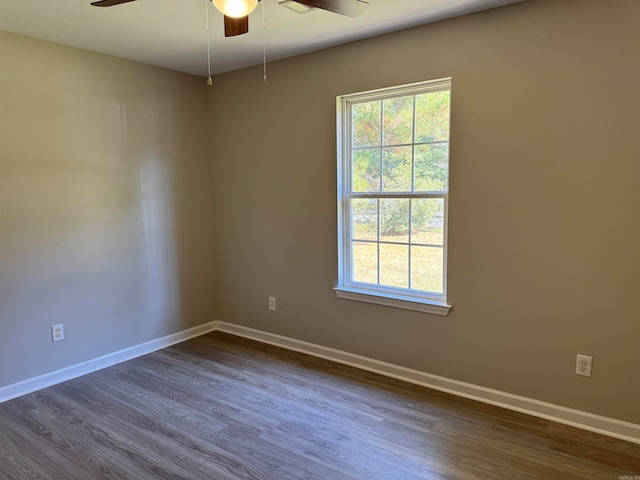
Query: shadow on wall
[(99, 177)]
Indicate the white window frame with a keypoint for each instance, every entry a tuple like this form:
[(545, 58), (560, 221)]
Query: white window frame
[(429, 302)]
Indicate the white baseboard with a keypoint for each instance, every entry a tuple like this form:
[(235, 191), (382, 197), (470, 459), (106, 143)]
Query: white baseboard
[(37, 383), (568, 416)]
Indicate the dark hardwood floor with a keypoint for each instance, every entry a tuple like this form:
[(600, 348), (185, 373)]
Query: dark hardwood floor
[(222, 407)]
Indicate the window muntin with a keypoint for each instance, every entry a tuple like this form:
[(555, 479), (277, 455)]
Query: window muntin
[(393, 191)]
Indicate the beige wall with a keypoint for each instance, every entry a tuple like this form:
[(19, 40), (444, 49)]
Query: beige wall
[(106, 218), (544, 220)]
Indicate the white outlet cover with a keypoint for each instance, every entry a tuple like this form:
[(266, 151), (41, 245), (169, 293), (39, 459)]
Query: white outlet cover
[(57, 332), (583, 365)]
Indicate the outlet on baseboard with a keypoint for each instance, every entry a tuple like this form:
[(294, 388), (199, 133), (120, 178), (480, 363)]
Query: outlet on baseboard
[(57, 332), (583, 365)]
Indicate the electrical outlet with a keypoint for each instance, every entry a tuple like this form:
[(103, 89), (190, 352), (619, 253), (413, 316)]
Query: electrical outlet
[(583, 365), (57, 332), (272, 303)]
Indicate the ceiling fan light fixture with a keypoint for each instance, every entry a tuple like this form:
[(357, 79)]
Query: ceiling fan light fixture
[(296, 7), (235, 8)]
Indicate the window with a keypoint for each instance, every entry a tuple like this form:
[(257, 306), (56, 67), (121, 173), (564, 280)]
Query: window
[(393, 182)]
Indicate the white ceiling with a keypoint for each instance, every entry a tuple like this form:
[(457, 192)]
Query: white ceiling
[(172, 33)]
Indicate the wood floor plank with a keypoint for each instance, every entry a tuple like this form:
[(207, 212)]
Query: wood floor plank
[(251, 381), (15, 461), (154, 434), (275, 460), (413, 413), (220, 407), (75, 460)]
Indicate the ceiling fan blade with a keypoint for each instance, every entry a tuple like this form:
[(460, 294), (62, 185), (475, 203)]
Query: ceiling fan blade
[(349, 8), (235, 26), (109, 3)]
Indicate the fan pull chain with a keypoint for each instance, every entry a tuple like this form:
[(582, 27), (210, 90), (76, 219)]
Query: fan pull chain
[(206, 15), (264, 46)]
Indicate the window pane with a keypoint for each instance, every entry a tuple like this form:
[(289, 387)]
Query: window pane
[(366, 170), (398, 121), (365, 262), (394, 220), (364, 219), (396, 169), (394, 156), (427, 221), (432, 117), (427, 268), (394, 265), (431, 168), (365, 119)]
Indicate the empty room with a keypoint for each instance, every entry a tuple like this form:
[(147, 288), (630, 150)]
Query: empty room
[(320, 239)]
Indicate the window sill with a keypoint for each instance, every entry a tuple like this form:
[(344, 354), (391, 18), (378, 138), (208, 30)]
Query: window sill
[(396, 301)]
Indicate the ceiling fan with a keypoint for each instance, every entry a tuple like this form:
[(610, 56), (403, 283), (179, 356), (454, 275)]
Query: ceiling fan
[(236, 12)]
